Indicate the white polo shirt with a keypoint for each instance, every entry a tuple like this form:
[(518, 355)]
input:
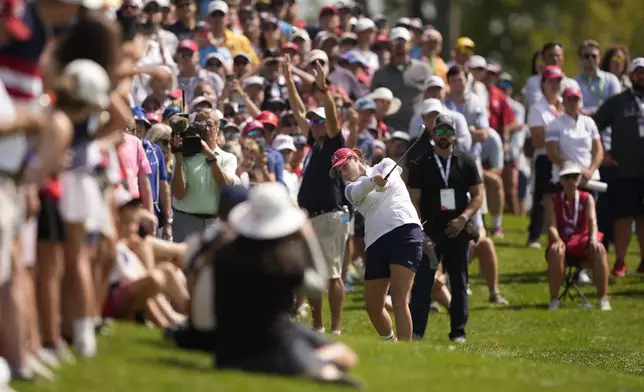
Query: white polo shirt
[(383, 210), (13, 147), (541, 114), (575, 141)]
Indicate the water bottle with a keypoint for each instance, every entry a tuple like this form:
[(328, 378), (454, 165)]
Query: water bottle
[(346, 214)]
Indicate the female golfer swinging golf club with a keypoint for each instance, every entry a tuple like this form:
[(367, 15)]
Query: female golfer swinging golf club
[(393, 237)]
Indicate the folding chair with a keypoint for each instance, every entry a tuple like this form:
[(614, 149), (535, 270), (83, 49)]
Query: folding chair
[(572, 270)]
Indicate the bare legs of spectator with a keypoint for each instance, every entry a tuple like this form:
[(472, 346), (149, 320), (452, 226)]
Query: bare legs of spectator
[(101, 268), (440, 292), (79, 269), (49, 276), (598, 261), (495, 198), (375, 292), (622, 238), (485, 251), (556, 259), (511, 184)]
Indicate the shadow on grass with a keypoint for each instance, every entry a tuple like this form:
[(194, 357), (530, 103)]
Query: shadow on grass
[(515, 307), (183, 364), (628, 293), (523, 277)]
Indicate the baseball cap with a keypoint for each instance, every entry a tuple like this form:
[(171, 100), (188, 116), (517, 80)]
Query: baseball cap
[(399, 33), (283, 142), (431, 105), (319, 111), (465, 42), (11, 14), (572, 91), (552, 72), (364, 103), (253, 125), (89, 4), (218, 5), (445, 120), (253, 81), (270, 118), (505, 76), (339, 158), (299, 140), (317, 54), (400, 135), (300, 33), (403, 22), (435, 81), (637, 63), (416, 24), (153, 117), (188, 44), (328, 9), (289, 45), (217, 56), (171, 111), (91, 81), (364, 24), (199, 100), (324, 36), (476, 62), (348, 36), (242, 55)]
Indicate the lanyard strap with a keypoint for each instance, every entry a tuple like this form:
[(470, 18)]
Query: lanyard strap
[(596, 90), (575, 213), (444, 171)]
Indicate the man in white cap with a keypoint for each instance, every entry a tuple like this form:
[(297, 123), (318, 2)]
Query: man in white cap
[(404, 76), (477, 67), (224, 38), (365, 28), (624, 112), (191, 74)]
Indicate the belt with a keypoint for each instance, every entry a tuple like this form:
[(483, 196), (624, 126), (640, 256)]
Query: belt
[(321, 212), (200, 216)]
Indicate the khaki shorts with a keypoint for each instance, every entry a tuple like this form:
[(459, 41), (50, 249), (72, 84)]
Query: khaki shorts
[(332, 235), (10, 216)]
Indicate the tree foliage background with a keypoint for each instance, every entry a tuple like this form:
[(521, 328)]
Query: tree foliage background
[(511, 30)]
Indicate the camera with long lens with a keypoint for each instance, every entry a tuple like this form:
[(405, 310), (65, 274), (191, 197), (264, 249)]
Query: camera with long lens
[(190, 139)]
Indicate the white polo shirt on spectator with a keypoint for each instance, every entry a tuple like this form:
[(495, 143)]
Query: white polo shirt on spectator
[(541, 114), (383, 210), (575, 140)]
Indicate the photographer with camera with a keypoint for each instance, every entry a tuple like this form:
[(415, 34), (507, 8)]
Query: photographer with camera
[(201, 170), (447, 190)]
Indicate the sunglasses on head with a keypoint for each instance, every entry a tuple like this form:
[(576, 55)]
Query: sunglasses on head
[(444, 132), (317, 121)]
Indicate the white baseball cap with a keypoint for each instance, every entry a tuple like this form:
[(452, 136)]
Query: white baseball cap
[(364, 24), (300, 33), (317, 54), (431, 105), (253, 81), (436, 81), (476, 61), (319, 111), (92, 82), (283, 142), (386, 95), (89, 4), (218, 5), (161, 3), (399, 33), (637, 63)]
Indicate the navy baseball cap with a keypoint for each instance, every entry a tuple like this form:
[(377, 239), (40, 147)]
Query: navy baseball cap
[(171, 111)]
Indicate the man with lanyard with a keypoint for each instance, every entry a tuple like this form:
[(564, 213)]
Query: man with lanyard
[(624, 114), (447, 190), (596, 85)]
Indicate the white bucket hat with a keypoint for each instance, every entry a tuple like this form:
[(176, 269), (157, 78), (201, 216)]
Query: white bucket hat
[(386, 94), (268, 214)]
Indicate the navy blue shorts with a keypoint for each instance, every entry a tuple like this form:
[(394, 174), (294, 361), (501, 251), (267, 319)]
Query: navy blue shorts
[(402, 246)]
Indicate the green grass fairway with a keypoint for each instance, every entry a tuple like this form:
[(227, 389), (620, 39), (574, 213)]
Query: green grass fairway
[(521, 348)]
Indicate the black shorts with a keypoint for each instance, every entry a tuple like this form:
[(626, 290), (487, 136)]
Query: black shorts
[(50, 223), (402, 246), (358, 225), (627, 197), (543, 175)]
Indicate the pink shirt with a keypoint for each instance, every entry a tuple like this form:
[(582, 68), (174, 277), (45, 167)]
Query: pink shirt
[(134, 162)]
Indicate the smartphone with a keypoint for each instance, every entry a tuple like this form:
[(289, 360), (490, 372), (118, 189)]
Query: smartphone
[(230, 78)]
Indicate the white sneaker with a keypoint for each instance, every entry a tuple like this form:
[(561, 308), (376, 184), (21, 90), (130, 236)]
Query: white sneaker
[(320, 330), (38, 368), (304, 310), (459, 340), (48, 358), (336, 332), (555, 304), (604, 305), (584, 278)]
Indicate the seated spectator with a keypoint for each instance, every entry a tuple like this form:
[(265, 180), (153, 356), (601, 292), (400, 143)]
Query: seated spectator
[(572, 233), (265, 265)]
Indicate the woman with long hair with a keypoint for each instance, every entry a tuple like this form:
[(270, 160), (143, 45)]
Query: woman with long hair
[(161, 135), (393, 237), (617, 61)]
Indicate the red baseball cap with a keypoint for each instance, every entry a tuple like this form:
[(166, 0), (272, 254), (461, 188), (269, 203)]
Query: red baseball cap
[(289, 45), (11, 13), (339, 158), (552, 72), (175, 94), (266, 117), (189, 44), (572, 91), (328, 8), (253, 126), (153, 117), (382, 39)]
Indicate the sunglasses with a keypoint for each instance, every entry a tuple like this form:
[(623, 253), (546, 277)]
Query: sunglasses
[(590, 56), (164, 142), (618, 59), (444, 132), (570, 177), (256, 133), (317, 121), (217, 14), (214, 63), (152, 9)]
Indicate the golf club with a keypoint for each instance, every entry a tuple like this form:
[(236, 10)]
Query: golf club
[(421, 131)]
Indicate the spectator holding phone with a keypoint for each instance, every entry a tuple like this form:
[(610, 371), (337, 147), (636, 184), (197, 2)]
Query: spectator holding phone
[(199, 173)]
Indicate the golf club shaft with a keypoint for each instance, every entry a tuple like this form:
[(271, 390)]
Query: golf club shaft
[(401, 158)]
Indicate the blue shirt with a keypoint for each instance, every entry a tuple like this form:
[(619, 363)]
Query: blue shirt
[(276, 164), (595, 91), (159, 171), (365, 145), (416, 53)]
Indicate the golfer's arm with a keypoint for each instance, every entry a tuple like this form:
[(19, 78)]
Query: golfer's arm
[(358, 190)]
